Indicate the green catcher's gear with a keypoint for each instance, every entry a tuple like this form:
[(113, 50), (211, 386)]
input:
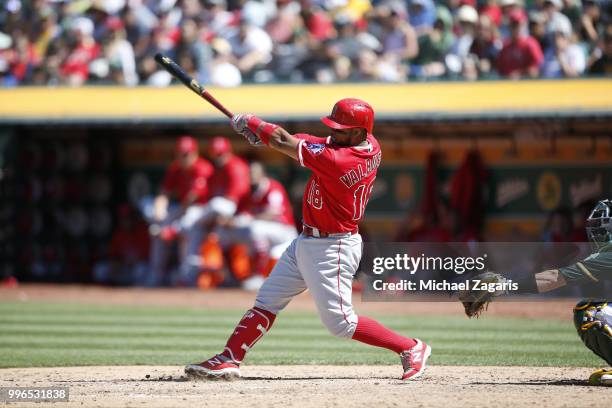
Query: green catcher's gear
[(601, 377), (593, 320)]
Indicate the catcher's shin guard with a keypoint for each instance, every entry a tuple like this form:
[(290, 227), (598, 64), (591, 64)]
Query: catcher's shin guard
[(254, 324), (593, 320)]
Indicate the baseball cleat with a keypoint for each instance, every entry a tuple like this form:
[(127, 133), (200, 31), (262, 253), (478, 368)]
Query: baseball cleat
[(601, 377), (219, 367), (414, 360)]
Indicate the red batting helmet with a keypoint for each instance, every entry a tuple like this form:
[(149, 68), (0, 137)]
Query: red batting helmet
[(351, 113)]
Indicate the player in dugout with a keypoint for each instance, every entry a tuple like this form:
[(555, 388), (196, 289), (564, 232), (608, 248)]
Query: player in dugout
[(186, 184), (264, 222), (227, 186)]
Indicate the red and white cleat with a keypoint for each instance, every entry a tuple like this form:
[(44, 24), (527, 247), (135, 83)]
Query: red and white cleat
[(218, 367), (414, 360)]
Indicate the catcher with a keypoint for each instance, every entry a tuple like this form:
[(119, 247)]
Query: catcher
[(592, 318)]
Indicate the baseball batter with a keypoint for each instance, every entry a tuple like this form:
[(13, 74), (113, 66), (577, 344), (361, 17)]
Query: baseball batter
[(592, 318), (326, 255)]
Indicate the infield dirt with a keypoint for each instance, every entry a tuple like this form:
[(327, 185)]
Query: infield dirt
[(318, 386)]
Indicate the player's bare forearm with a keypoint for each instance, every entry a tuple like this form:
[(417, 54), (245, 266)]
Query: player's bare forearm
[(549, 280), (160, 206), (284, 142)]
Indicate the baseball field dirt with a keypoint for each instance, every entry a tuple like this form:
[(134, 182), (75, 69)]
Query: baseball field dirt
[(318, 386), (40, 324)]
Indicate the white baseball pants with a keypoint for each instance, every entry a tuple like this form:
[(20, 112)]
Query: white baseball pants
[(326, 267)]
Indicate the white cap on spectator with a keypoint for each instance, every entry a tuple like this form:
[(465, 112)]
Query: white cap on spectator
[(99, 67), (114, 6), (255, 13), (504, 3), (562, 26), (537, 17), (159, 79), (109, 6), (5, 41), (334, 4), (166, 5), (225, 75), (398, 7), (467, 14), (83, 25), (557, 3)]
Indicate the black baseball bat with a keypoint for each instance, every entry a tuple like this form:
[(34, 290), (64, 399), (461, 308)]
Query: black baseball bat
[(179, 73)]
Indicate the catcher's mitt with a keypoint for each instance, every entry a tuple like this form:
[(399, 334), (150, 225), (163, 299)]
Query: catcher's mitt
[(477, 297)]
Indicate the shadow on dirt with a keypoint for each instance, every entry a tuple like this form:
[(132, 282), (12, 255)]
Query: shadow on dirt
[(572, 382)]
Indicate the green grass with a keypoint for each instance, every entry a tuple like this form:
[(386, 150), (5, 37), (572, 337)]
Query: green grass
[(36, 334)]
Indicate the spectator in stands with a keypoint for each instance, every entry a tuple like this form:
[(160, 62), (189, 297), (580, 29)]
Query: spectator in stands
[(602, 57), (422, 15), (537, 28), (319, 24), (591, 27), (219, 20), (342, 52), (492, 10), (509, 7), (288, 40), (75, 69), (194, 51), (563, 58), (458, 60), (251, 46), (282, 25), (351, 10), (486, 46), (521, 54), (433, 47), (222, 70), (555, 20), (398, 37), (120, 54)]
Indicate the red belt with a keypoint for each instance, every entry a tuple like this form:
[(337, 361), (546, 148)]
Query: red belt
[(316, 233)]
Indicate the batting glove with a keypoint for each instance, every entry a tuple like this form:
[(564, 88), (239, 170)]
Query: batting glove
[(240, 123), (251, 137)]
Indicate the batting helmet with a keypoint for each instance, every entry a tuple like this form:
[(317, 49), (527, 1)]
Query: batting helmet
[(350, 113)]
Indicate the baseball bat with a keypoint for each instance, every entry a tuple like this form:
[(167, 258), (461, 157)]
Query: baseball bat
[(179, 73)]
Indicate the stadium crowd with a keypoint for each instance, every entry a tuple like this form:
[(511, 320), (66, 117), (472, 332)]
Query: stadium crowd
[(228, 42)]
